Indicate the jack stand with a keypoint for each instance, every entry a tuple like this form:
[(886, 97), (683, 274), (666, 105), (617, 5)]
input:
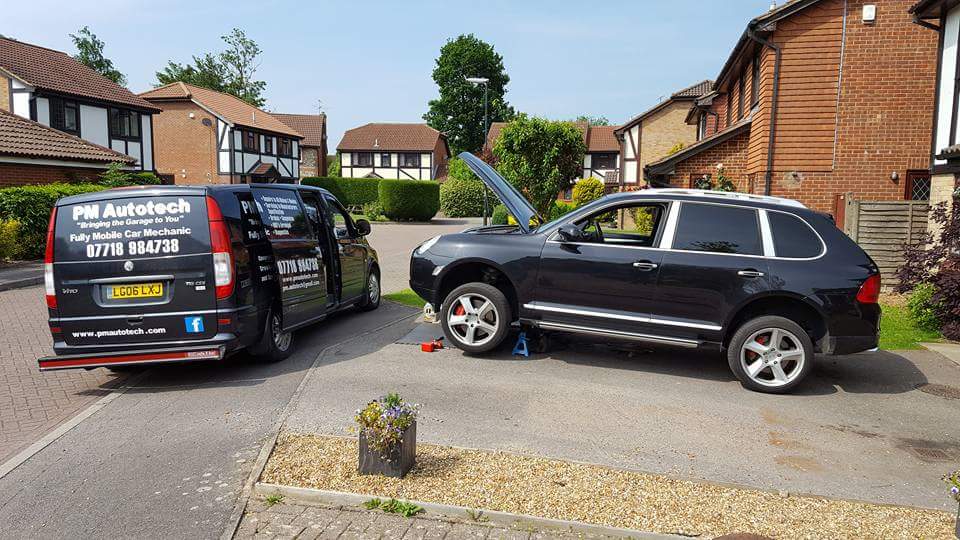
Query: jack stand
[(521, 349)]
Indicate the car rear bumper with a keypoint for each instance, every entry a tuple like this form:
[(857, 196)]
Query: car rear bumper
[(851, 344), (130, 357)]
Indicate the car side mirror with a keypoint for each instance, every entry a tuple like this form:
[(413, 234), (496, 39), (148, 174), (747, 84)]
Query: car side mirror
[(341, 232), (570, 233), (363, 227)]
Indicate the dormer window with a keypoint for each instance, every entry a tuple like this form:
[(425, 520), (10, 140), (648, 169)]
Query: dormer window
[(124, 124), (65, 115)]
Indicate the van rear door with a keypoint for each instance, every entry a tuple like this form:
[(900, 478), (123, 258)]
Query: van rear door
[(135, 266)]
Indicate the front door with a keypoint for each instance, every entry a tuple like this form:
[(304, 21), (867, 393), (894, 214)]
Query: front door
[(619, 253), (351, 249)]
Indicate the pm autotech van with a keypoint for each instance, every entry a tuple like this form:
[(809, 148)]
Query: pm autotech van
[(172, 274)]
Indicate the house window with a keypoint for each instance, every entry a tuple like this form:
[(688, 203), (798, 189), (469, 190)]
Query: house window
[(410, 160), (384, 160), (603, 161), (702, 126), (268, 145), (251, 142), (124, 124), (740, 88), (65, 115), (363, 159), (729, 106), (755, 82), (284, 147)]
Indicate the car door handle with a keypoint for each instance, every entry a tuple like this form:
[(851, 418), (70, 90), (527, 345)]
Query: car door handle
[(645, 266), (750, 273)]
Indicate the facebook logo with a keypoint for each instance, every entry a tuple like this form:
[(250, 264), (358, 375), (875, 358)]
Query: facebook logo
[(194, 324)]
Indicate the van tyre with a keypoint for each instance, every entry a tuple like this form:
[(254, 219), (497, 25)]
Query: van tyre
[(274, 345), (371, 293), (476, 317), (770, 354)]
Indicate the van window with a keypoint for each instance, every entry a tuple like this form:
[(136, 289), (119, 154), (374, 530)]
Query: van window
[(338, 216), (132, 227), (792, 237), (718, 229), (311, 206), (281, 213)]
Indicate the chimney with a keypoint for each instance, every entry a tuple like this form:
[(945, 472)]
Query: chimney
[(376, 143)]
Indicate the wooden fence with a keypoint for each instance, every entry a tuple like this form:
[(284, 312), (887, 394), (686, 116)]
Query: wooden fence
[(882, 227)]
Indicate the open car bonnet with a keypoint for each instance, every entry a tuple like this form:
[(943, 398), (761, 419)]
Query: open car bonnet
[(515, 202)]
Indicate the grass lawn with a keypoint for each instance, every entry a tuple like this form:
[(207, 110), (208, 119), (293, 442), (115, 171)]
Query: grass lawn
[(897, 330), (406, 297)]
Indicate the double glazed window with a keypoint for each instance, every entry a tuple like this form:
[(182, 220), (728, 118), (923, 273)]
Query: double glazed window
[(755, 82), (124, 124), (285, 147), (603, 161), (251, 142), (384, 160), (268, 145), (718, 229), (65, 115), (362, 159), (410, 160)]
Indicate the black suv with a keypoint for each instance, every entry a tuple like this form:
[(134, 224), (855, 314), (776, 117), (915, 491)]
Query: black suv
[(764, 279)]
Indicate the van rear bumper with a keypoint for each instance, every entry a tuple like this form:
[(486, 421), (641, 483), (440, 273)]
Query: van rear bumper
[(132, 357)]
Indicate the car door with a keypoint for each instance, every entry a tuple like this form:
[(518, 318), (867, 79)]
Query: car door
[(607, 278), (295, 252), (313, 207), (715, 261), (351, 250)]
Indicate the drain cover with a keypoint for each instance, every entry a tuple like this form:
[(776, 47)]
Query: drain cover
[(931, 454), (940, 390)]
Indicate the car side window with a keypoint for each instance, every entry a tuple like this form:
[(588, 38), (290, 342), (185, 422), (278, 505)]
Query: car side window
[(340, 218), (793, 238), (718, 229), (630, 225), (311, 206)]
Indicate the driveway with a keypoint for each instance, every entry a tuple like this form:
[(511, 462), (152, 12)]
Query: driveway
[(858, 428)]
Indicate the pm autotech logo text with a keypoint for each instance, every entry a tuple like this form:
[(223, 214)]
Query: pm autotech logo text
[(111, 210)]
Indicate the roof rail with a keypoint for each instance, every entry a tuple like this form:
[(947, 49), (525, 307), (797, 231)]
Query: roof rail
[(729, 195)]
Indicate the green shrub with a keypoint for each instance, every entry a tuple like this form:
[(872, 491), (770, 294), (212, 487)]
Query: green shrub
[(560, 208), (587, 190), (9, 239), (500, 215), (923, 309), (354, 192), (416, 200), (462, 197), (31, 206), (333, 166), (374, 211), (117, 176)]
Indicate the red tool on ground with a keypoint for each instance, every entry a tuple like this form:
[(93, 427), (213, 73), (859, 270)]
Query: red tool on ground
[(430, 346)]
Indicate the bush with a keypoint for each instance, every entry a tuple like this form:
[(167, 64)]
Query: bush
[(31, 206), (587, 190), (117, 176), (374, 211), (9, 239), (416, 200), (462, 197), (500, 215), (560, 208), (354, 192), (923, 309), (333, 166)]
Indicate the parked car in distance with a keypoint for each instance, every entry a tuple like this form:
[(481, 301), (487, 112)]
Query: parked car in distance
[(172, 273), (764, 279)]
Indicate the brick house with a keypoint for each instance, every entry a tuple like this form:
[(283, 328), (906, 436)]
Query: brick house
[(32, 153), (397, 151), (651, 134), (52, 88), (208, 137), (818, 98), (313, 147)]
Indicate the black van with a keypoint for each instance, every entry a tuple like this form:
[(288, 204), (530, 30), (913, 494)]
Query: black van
[(174, 273)]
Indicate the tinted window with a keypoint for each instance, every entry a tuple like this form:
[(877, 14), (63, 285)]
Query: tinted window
[(311, 205), (281, 214), (792, 237), (719, 229)]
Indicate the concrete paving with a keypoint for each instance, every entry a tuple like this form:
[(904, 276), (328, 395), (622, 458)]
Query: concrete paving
[(858, 428)]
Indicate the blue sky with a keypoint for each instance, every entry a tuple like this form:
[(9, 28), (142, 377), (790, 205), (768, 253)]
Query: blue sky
[(371, 61)]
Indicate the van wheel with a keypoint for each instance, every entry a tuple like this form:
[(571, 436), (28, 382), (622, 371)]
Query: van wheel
[(274, 345), (476, 317), (770, 354), (371, 296)]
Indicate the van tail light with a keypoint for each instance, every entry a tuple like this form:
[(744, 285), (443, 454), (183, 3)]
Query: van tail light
[(222, 252), (869, 292), (50, 288)]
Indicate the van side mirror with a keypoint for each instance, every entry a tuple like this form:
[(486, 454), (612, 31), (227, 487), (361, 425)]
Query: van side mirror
[(570, 233), (363, 227)]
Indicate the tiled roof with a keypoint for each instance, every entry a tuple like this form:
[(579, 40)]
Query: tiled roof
[(695, 90), (22, 137), (313, 127), (597, 138), (47, 69), (687, 94), (233, 109), (391, 137)]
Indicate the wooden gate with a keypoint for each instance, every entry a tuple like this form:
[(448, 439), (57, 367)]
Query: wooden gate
[(882, 227)]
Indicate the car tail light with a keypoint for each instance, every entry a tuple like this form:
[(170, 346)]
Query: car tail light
[(51, 290), (222, 252), (869, 292)]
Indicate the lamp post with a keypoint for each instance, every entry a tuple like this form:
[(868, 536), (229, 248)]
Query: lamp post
[(486, 84)]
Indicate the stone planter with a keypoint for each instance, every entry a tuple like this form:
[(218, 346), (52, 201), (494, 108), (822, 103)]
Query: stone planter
[(397, 464)]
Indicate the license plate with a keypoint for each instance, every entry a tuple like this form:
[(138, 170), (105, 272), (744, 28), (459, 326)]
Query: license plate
[(138, 290)]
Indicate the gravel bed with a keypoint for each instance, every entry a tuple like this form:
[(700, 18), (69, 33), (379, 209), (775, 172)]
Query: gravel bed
[(594, 494)]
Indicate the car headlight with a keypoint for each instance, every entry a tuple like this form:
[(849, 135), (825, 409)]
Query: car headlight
[(427, 245)]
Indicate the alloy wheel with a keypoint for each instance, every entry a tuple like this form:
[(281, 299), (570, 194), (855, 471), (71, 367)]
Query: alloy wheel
[(281, 339), (772, 357), (373, 288), (473, 319)]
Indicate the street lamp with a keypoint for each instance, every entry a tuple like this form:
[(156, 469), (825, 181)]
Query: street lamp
[(486, 84)]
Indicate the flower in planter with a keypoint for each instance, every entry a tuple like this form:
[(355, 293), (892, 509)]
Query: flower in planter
[(384, 421)]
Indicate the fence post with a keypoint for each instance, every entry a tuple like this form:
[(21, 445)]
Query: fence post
[(852, 218)]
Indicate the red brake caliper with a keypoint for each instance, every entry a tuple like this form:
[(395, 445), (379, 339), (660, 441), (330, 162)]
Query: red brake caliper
[(761, 340), (459, 310)]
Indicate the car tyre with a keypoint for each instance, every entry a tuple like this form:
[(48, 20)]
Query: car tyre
[(371, 293), (770, 354), (274, 345), (476, 317)]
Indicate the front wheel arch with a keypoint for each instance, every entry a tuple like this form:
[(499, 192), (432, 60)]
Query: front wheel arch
[(477, 271)]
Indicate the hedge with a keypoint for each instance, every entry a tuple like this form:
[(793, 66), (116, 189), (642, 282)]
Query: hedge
[(31, 206), (349, 191), (462, 197), (416, 200), (500, 215)]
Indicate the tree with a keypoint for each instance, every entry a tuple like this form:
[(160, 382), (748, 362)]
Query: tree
[(458, 111), (230, 71), (90, 54), (593, 120), (539, 157), (333, 169)]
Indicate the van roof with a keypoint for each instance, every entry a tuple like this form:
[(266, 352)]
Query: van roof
[(161, 191)]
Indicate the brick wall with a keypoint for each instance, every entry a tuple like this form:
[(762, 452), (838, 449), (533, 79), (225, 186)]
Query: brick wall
[(5, 94), (732, 154), (185, 147), (17, 174), (663, 129)]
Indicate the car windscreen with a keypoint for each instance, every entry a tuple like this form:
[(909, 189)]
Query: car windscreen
[(131, 228)]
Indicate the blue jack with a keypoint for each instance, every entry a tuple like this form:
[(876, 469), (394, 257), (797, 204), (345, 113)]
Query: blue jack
[(521, 348)]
